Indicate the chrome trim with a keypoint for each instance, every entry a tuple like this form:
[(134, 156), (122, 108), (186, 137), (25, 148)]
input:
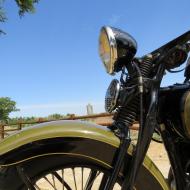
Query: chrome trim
[(110, 96), (113, 47)]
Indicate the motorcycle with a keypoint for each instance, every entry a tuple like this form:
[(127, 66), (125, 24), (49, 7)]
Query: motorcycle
[(81, 155)]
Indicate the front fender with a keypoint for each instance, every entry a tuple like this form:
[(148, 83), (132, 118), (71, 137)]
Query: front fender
[(58, 129), (68, 130)]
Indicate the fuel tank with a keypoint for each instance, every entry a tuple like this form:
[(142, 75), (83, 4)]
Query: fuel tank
[(174, 107), (185, 112)]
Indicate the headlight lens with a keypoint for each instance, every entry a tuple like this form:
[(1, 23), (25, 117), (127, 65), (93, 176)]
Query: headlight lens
[(108, 49), (116, 48), (112, 95)]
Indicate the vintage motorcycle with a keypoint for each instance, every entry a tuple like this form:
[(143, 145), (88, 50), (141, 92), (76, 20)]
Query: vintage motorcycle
[(81, 155)]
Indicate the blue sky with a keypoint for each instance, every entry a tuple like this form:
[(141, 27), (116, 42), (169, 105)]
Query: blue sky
[(50, 62)]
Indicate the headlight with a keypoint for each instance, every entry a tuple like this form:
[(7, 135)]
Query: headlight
[(112, 95), (116, 48), (108, 49)]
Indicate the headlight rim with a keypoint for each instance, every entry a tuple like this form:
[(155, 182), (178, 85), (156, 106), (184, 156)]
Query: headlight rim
[(111, 98), (110, 68)]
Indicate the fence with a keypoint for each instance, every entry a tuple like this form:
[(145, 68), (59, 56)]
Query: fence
[(19, 125)]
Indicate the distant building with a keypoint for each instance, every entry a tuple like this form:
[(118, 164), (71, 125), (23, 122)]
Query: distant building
[(89, 108)]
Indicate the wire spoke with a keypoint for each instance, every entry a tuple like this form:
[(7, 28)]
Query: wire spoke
[(91, 178), (49, 182), (73, 171), (103, 182), (62, 172), (74, 178), (82, 171), (37, 187), (53, 178), (61, 180)]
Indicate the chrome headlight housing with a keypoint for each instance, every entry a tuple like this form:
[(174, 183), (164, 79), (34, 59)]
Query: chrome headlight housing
[(112, 95), (116, 48), (108, 48)]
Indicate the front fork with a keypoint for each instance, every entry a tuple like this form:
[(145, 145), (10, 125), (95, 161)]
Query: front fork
[(144, 138), (124, 145)]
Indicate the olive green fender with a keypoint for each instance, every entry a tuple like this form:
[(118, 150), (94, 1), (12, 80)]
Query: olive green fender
[(69, 129)]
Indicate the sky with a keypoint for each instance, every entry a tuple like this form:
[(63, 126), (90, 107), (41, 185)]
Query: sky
[(50, 61)]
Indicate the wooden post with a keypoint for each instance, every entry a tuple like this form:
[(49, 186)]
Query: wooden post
[(72, 116), (2, 131), (20, 126), (40, 120)]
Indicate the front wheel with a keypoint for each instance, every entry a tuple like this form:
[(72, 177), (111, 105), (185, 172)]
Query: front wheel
[(76, 166), (69, 173)]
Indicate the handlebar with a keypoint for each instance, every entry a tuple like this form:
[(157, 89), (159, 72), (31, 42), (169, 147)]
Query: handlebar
[(181, 40), (174, 53)]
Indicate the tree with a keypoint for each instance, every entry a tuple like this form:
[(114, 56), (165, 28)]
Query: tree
[(55, 116), (6, 107), (24, 6)]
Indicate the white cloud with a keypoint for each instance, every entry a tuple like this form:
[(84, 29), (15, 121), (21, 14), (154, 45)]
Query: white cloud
[(114, 19)]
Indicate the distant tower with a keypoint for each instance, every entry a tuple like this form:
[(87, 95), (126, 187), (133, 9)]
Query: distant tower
[(89, 109)]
